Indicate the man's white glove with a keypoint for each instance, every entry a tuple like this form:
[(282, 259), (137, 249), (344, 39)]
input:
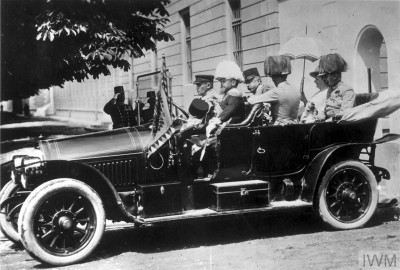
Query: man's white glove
[(212, 125)]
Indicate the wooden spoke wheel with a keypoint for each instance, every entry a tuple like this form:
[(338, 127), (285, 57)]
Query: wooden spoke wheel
[(348, 195), (61, 222), (11, 197)]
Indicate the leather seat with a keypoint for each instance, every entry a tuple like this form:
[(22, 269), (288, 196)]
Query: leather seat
[(250, 117), (364, 98)]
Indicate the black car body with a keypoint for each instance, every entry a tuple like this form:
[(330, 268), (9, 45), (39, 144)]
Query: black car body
[(255, 168)]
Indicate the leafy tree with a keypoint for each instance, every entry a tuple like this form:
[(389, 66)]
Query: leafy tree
[(45, 43)]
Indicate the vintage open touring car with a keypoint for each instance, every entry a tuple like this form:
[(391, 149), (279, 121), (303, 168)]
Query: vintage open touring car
[(57, 202)]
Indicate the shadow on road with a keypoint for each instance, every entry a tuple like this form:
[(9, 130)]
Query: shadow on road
[(191, 235)]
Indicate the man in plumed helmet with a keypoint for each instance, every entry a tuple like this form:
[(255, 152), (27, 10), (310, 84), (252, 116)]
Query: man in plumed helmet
[(121, 114), (284, 98), (340, 97), (229, 75), (252, 79)]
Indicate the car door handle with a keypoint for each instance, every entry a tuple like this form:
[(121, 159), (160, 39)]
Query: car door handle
[(260, 150)]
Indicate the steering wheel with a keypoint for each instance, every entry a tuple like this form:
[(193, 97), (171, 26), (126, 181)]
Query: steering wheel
[(179, 112)]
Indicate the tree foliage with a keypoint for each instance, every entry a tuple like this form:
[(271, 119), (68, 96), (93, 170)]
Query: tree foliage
[(48, 42)]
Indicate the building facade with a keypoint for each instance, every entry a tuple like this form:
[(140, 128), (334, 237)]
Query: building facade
[(366, 33)]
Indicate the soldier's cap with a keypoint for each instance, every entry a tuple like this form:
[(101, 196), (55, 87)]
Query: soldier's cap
[(277, 65), (250, 74), (331, 63), (203, 78), (119, 89), (198, 108)]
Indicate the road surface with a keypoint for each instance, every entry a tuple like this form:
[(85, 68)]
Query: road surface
[(285, 241)]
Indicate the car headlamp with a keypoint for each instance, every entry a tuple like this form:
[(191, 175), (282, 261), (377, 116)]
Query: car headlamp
[(26, 161), (25, 167), (17, 160)]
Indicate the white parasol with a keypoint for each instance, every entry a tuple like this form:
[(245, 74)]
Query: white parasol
[(303, 47), (306, 48)]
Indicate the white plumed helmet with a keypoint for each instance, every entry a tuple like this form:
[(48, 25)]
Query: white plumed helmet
[(228, 70)]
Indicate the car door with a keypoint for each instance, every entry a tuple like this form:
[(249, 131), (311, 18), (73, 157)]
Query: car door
[(234, 152), (280, 149)]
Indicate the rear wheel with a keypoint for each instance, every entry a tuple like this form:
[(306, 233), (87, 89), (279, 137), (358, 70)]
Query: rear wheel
[(11, 202), (61, 222), (348, 195)]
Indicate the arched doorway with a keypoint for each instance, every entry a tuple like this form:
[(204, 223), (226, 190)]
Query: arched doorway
[(371, 69), (370, 54)]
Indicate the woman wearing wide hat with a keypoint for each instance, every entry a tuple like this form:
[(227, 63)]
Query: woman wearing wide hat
[(284, 98)]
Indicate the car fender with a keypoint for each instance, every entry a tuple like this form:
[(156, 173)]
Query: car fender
[(94, 178), (320, 163)]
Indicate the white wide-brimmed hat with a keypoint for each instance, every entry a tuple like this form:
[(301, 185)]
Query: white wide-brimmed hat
[(228, 70)]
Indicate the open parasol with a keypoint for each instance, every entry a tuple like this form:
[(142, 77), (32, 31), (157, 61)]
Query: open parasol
[(306, 48), (303, 47)]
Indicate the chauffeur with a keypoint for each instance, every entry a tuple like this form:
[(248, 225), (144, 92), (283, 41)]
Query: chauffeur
[(340, 96), (204, 86), (252, 79), (284, 98), (121, 114)]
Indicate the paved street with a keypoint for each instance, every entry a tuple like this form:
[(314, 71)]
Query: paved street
[(277, 242)]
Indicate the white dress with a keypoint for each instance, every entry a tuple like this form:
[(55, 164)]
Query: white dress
[(315, 108)]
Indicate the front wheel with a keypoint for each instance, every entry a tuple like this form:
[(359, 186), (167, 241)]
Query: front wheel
[(348, 195), (11, 199), (61, 222)]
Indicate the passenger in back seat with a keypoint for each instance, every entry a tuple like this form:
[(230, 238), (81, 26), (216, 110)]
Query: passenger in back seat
[(252, 80), (232, 103), (315, 107), (284, 98), (340, 97)]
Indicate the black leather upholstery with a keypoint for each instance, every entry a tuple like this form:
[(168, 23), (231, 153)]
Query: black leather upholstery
[(250, 117), (364, 98)]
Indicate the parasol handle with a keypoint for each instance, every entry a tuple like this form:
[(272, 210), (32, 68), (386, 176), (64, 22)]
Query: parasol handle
[(303, 96)]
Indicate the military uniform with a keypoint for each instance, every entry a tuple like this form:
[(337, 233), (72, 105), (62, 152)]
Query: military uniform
[(232, 106), (339, 98), (261, 89), (121, 114), (249, 75), (207, 106)]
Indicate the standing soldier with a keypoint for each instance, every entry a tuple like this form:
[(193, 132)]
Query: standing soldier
[(340, 97), (252, 79), (121, 114)]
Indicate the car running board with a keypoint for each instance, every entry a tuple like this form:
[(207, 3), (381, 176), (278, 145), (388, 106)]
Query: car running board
[(205, 213)]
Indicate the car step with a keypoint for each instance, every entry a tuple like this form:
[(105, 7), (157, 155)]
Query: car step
[(202, 213)]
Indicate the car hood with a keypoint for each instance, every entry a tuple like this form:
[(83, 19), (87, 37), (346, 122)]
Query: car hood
[(99, 144)]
